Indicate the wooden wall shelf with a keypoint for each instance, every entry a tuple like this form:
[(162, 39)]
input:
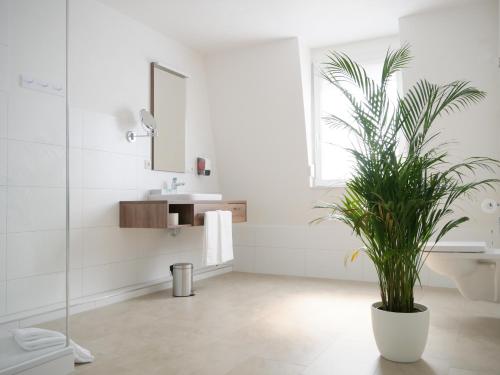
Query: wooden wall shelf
[(154, 214)]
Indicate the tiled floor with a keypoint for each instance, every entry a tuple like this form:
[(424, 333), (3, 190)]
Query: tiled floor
[(258, 324)]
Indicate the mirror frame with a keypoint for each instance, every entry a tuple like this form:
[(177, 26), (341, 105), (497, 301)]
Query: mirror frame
[(153, 66)]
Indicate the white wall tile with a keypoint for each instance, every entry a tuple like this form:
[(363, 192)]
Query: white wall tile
[(3, 161), (123, 274), (35, 253), (106, 133), (75, 283), (76, 208), (3, 293), (5, 328), (154, 242), (76, 248), (244, 258), (35, 320), (293, 237), (104, 245), (280, 261), (4, 53), (3, 257), (75, 127), (35, 164), (148, 179), (325, 236), (330, 264), (320, 263), (331, 236), (36, 117), (3, 114), (97, 244), (188, 239), (243, 235), (105, 170), (4, 19), (75, 168), (101, 207), (32, 292), (96, 279), (3, 209), (143, 146), (31, 209), (126, 246), (153, 268)]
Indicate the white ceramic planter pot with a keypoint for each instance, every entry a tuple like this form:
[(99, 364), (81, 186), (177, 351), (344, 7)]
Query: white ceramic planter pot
[(400, 337)]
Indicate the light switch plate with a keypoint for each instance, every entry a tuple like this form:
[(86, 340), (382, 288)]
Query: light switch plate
[(32, 83)]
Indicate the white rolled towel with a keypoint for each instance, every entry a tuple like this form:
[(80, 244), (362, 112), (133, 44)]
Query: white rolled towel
[(29, 334), (31, 339)]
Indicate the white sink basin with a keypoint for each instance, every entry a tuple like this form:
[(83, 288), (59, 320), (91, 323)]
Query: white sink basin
[(186, 197)]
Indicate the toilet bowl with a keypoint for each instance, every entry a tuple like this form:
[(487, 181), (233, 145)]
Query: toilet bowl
[(473, 267)]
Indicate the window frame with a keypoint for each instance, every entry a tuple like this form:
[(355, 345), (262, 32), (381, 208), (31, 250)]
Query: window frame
[(316, 131), (364, 51)]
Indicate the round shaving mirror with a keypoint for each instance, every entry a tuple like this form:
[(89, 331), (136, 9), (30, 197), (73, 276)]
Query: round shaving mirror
[(149, 123)]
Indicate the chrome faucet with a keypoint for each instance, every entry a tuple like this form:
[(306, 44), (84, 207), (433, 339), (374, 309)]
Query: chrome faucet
[(175, 184)]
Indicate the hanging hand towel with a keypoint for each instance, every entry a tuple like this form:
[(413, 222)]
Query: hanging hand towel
[(218, 239), (226, 235), (211, 253)]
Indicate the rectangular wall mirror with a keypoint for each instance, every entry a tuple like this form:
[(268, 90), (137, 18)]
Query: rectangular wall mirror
[(168, 106)]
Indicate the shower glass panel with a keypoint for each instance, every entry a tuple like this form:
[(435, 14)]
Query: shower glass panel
[(33, 183)]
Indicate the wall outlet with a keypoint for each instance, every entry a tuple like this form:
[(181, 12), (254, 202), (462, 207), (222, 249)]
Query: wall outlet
[(147, 164)]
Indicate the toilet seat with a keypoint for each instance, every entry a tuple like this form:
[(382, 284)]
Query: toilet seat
[(456, 247)]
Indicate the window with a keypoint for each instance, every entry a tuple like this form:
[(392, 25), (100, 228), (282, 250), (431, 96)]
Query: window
[(333, 164)]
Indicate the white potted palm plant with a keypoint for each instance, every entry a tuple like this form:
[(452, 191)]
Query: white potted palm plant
[(403, 187)]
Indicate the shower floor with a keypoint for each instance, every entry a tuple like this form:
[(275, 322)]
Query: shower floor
[(241, 323)]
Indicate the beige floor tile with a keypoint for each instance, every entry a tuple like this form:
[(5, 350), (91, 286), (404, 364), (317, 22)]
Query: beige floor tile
[(426, 366), (457, 371), (245, 324), (262, 366)]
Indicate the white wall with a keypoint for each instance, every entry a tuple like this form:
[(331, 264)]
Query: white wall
[(257, 107), (32, 156), (109, 83), (258, 117), (444, 50)]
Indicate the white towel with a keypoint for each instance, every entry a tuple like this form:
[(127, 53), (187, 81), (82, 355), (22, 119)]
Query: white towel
[(31, 339), (211, 239), (28, 334), (218, 239), (81, 354), (226, 235)]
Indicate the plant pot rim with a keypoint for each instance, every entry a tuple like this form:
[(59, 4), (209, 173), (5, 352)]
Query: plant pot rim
[(421, 309)]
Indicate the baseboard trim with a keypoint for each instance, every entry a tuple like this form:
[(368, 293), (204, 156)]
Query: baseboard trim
[(81, 304), (58, 362)]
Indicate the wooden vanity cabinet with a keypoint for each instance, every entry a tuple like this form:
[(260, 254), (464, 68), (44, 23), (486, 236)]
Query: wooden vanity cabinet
[(154, 214)]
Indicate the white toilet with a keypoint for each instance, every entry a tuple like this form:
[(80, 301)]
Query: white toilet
[(473, 267)]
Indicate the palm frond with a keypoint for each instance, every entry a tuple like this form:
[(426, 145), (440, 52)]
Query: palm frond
[(397, 202)]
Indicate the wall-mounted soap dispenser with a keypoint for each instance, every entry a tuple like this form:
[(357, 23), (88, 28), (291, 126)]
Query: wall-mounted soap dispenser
[(203, 166)]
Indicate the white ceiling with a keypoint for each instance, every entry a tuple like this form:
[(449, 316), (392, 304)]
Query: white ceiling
[(214, 25)]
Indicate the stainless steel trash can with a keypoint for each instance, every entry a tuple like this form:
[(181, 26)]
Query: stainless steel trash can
[(182, 279)]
